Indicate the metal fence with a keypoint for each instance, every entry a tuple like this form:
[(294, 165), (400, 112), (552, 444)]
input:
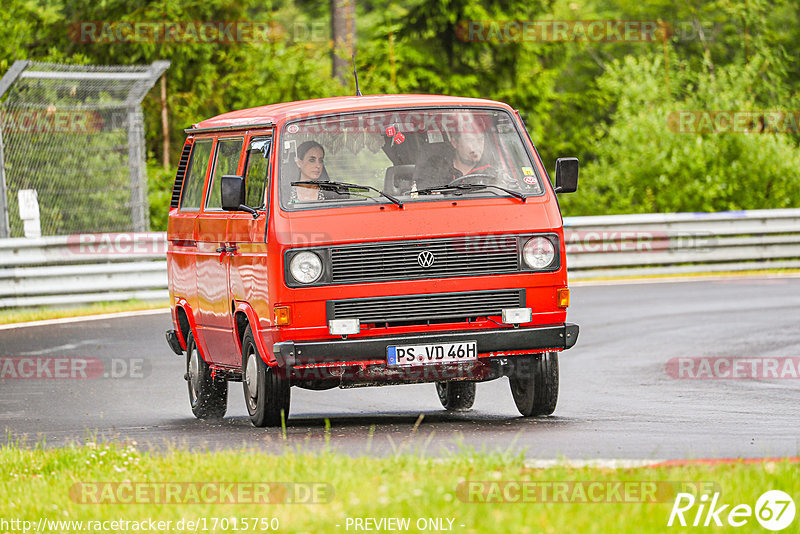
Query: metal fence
[(86, 268), (82, 268), (675, 243), (72, 153)]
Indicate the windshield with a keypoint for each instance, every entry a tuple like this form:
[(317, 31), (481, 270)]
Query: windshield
[(413, 155)]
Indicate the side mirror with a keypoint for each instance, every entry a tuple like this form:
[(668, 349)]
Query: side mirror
[(232, 192), (233, 195), (566, 175)]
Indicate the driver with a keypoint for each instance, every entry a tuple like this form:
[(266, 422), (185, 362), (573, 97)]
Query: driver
[(468, 158), (464, 155)]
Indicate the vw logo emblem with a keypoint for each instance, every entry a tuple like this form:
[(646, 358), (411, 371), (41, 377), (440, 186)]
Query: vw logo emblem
[(426, 259)]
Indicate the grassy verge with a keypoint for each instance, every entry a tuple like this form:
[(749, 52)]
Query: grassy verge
[(65, 484), (22, 315)]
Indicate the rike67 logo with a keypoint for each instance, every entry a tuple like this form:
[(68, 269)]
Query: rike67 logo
[(774, 510)]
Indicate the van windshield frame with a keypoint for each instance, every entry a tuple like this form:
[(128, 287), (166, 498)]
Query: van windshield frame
[(401, 150)]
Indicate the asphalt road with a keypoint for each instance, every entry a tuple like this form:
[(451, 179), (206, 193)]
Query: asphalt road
[(617, 399)]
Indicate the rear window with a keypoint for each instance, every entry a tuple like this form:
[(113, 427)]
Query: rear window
[(226, 163), (196, 175)]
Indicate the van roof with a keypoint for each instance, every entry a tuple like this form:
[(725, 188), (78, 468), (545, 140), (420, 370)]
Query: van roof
[(275, 113)]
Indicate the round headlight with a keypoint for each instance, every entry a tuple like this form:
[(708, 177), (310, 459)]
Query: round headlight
[(538, 252), (306, 267)]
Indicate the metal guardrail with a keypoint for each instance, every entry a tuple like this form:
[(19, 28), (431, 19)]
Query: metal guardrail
[(105, 267), (679, 243), (82, 268)]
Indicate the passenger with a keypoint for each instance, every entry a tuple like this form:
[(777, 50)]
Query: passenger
[(310, 163)]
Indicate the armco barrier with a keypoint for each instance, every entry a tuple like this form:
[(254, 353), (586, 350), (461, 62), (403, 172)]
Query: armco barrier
[(82, 268), (659, 243), (102, 267)]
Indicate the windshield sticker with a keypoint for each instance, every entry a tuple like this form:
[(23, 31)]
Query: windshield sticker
[(527, 171), (293, 128), (530, 180)]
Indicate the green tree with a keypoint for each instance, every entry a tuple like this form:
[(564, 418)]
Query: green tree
[(646, 162)]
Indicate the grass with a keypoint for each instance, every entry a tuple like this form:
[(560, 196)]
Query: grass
[(38, 482), (22, 315)]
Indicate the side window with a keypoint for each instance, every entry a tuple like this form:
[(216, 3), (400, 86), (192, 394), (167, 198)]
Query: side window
[(196, 175), (226, 162), (256, 173)]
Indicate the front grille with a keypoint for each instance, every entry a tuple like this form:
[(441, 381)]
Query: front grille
[(463, 256), (423, 308)]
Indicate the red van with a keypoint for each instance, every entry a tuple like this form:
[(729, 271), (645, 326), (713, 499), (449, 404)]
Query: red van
[(366, 241)]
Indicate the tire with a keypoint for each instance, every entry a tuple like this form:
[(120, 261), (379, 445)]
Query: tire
[(534, 384), (266, 394), (208, 396), (456, 395)]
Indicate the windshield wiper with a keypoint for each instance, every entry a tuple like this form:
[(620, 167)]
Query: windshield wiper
[(469, 187), (340, 186)]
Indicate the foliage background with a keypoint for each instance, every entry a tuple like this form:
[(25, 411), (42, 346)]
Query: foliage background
[(604, 102)]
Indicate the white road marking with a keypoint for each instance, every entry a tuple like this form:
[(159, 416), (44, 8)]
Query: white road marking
[(66, 320), (60, 348)]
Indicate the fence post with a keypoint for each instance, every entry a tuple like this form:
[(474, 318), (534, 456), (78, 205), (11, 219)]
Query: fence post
[(136, 148), (8, 79), (137, 166)]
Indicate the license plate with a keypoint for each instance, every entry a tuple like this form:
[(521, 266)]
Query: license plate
[(434, 353)]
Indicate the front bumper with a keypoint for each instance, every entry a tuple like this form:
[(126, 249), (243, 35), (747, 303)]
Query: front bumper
[(494, 342)]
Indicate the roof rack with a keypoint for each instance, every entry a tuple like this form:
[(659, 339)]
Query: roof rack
[(194, 129)]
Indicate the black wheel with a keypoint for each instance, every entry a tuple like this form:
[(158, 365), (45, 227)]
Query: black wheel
[(207, 395), (456, 395), (534, 384), (265, 392)]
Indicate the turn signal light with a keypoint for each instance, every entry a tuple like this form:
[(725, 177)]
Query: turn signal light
[(562, 295), (283, 315)]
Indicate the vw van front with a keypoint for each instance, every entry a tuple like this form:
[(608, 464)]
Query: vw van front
[(416, 244)]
